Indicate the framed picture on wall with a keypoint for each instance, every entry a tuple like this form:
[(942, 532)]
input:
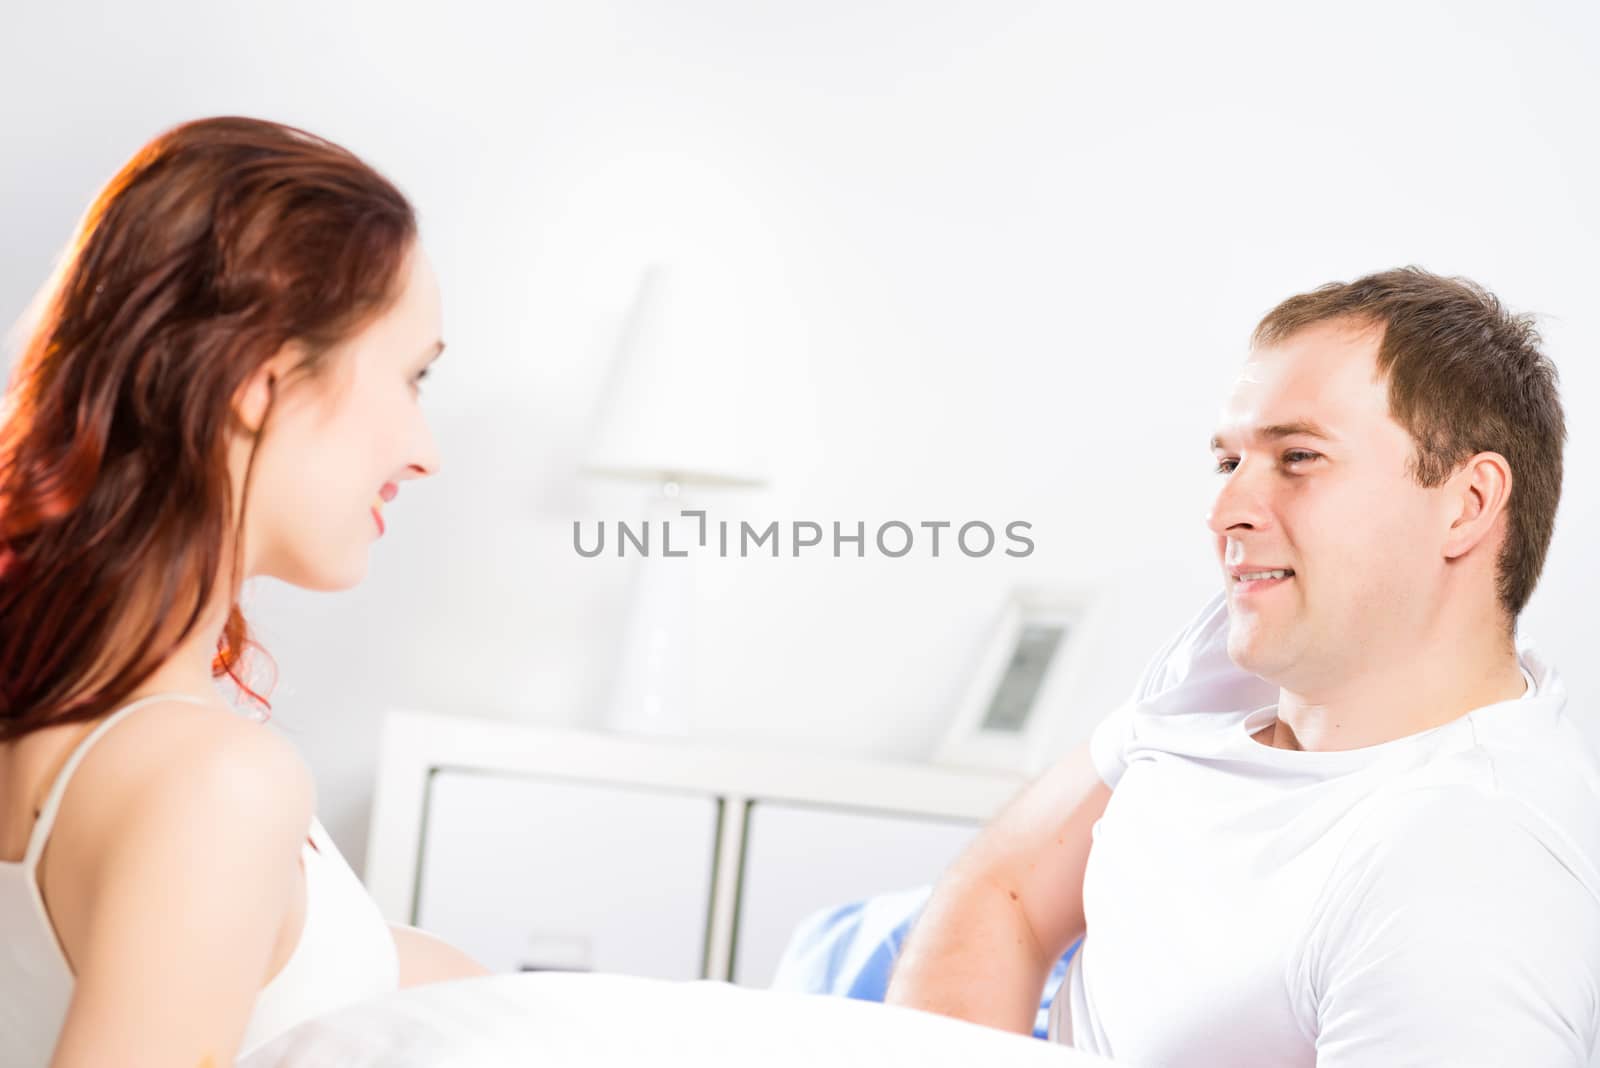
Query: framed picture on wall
[(1025, 661)]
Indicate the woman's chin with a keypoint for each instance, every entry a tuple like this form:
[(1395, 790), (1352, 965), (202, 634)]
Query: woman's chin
[(325, 577)]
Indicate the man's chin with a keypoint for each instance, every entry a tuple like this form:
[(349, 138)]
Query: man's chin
[(1252, 650)]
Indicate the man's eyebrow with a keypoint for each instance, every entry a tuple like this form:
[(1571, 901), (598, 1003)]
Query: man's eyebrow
[(434, 353), (1278, 431)]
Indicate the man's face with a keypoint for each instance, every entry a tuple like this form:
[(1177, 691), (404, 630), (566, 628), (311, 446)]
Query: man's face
[(1317, 490)]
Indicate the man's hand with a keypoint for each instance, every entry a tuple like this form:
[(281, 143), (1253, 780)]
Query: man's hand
[(1008, 907)]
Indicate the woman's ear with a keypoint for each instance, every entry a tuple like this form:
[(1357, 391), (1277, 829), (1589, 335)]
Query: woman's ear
[(254, 396)]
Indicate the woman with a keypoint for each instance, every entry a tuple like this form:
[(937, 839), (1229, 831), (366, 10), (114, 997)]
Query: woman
[(222, 383)]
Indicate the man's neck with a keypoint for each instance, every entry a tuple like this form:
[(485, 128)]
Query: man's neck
[(1397, 699)]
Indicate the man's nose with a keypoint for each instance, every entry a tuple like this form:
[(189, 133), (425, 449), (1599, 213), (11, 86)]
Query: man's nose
[(1241, 502)]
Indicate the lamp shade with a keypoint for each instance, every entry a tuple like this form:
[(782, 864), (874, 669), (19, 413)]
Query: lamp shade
[(676, 405)]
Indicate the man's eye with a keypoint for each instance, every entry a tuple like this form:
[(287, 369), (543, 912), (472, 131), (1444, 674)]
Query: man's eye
[(1293, 456), (417, 381)]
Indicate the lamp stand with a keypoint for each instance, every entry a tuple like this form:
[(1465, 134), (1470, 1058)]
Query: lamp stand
[(654, 690)]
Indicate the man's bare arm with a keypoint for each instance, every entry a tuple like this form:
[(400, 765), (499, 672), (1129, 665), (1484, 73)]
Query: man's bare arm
[(1008, 907)]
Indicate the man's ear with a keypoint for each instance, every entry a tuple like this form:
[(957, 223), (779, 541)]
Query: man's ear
[(255, 395), (1478, 493)]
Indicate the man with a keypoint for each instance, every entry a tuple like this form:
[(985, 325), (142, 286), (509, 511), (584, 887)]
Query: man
[(1343, 821)]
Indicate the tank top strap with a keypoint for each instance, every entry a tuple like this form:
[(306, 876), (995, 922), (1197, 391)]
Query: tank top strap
[(52, 801)]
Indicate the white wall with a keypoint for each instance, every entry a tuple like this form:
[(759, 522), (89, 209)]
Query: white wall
[(1001, 255)]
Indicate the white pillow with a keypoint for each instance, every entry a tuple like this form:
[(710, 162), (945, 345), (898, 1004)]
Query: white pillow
[(554, 1018)]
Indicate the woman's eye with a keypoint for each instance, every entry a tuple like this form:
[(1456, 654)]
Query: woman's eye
[(417, 381), (1225, 467)]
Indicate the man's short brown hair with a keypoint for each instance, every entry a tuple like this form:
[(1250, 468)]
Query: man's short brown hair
[(1465, 376)]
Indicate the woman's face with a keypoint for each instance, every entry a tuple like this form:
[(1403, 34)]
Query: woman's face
[(338, 445)]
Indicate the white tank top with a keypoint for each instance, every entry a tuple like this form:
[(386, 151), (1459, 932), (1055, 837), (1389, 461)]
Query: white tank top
[(346, 952)]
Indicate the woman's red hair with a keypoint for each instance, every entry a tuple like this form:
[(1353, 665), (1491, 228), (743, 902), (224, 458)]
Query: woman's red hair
[(219, 243)]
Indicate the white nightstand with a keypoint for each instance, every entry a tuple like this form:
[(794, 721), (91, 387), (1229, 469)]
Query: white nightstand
[(536, 848)]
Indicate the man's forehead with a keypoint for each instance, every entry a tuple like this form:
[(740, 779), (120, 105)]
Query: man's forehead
[(1322, 383), (1293, 428)]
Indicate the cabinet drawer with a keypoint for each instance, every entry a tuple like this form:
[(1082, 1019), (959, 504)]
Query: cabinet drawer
[(532, 873), (800, 859)]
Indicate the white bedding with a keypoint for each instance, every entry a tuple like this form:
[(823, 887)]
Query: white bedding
[(580, 1020)]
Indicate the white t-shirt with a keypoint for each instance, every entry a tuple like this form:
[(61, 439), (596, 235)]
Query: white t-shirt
[(1433, 900)]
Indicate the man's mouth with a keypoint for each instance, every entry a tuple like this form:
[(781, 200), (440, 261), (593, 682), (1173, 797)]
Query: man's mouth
[(1262, 576), (1249, 579)]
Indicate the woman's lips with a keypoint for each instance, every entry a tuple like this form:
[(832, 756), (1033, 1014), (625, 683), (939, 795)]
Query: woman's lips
[(385, 495)]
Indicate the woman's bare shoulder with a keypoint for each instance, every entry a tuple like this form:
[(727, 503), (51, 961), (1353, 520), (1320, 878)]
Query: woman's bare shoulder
[(175, 756), (189, 821), (180, 744)]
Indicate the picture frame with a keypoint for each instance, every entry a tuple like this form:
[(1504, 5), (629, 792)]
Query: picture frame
[(1024, 670)]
